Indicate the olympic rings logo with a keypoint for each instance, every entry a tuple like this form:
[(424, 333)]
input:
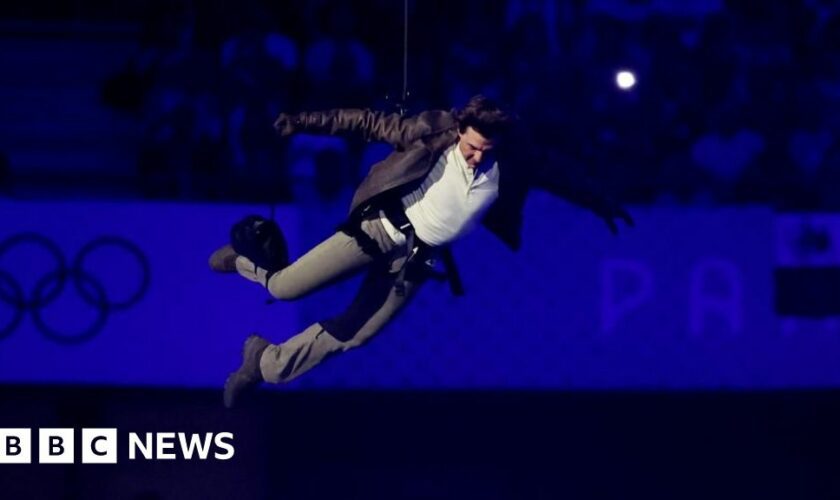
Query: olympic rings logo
[(52, 284)]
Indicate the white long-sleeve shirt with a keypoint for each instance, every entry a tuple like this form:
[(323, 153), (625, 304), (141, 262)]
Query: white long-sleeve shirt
[(449, 201)]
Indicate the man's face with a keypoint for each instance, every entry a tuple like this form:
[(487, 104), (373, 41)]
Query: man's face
[(475, 147)]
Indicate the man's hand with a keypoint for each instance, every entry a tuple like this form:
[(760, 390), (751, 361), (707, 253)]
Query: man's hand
[(612, 212), (286, 125)]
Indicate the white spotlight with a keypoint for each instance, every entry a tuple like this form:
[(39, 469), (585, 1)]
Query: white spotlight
[(625, 80)]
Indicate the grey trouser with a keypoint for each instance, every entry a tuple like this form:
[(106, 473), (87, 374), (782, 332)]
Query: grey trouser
[(375, 303)]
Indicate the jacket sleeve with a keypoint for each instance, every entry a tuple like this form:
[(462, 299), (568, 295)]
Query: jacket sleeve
[(504, 218), (371, 125)]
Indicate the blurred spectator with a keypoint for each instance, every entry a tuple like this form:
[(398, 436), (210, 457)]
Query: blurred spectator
[(339, 68), (321, 166), (257, 67), (544, 11)]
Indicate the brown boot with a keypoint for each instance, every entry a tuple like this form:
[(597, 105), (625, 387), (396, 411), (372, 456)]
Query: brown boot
[(223, 260), (249, 375)]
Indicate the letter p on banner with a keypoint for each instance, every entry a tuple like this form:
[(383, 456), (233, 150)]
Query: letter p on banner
[(15, 446)]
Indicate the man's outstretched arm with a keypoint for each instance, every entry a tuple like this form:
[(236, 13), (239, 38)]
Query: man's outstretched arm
[(371, 125)]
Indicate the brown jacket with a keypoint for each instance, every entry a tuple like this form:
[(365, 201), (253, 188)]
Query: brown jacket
[(419, 141)]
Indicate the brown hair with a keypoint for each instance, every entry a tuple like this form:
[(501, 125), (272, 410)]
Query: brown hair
[(485, 116)]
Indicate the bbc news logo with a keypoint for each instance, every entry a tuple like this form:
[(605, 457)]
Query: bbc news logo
[(99, 446)]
